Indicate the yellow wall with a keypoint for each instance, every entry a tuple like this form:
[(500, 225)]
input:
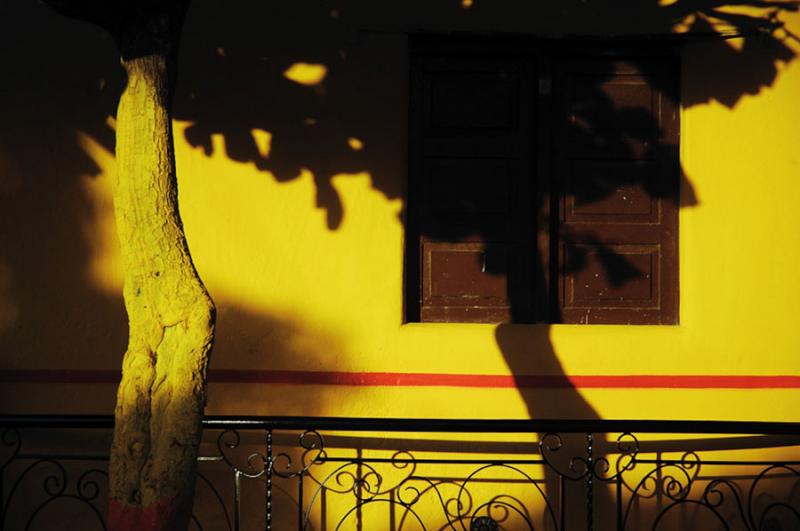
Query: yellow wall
[(264, 162)]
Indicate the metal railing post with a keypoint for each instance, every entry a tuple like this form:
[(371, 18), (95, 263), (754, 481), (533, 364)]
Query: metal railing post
[(589, 481), (268, 516)]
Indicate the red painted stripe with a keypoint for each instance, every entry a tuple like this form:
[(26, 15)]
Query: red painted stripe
[(391, 379), (59, 376), (395, 379)]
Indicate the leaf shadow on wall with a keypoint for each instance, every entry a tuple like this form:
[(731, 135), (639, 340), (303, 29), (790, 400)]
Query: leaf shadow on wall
[(60, 310), (309, 125)]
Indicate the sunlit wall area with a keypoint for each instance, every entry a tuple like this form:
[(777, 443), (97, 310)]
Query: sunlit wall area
[(291, 135)]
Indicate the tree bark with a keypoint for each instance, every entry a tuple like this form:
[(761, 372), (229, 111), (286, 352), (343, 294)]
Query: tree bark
[(171, 316)]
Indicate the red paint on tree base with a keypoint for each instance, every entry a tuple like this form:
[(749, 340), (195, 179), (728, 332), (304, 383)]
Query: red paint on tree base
[(165, 515)]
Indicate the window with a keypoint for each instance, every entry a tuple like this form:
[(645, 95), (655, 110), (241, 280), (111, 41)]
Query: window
[(543, 184)]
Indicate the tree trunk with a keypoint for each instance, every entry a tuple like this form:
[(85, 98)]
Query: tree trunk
[(163, 390)]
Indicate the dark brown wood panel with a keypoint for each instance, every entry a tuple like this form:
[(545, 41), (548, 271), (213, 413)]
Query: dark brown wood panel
[(617, 176), (473, 99), (475, 183), (462, 274), (470, 186), (610, 192), (613, 276)]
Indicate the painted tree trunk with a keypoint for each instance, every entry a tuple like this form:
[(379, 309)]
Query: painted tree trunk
[(163, 390)]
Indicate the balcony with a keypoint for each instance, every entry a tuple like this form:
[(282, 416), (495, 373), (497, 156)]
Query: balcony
[(412, 474)]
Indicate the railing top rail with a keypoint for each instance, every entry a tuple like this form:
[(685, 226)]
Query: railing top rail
[(57, 421), (363, 424)]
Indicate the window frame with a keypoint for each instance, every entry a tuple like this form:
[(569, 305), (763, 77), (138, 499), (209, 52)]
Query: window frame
[(544, 56)]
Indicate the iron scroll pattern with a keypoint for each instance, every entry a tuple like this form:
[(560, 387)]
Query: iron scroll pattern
[(44, 482), (393, 482), (270, 475), (452, 503), (646, 490), (759, 496), (689, 492)]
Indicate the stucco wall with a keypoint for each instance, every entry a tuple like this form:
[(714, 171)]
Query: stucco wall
[(298, 233)]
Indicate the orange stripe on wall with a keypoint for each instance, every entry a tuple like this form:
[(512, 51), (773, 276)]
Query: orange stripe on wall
[(400, 379)]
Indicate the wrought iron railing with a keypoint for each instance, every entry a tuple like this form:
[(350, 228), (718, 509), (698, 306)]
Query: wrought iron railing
[(407, 474)]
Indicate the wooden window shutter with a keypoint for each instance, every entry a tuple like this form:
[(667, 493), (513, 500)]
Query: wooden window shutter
[(616, 182), (470, 223)]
